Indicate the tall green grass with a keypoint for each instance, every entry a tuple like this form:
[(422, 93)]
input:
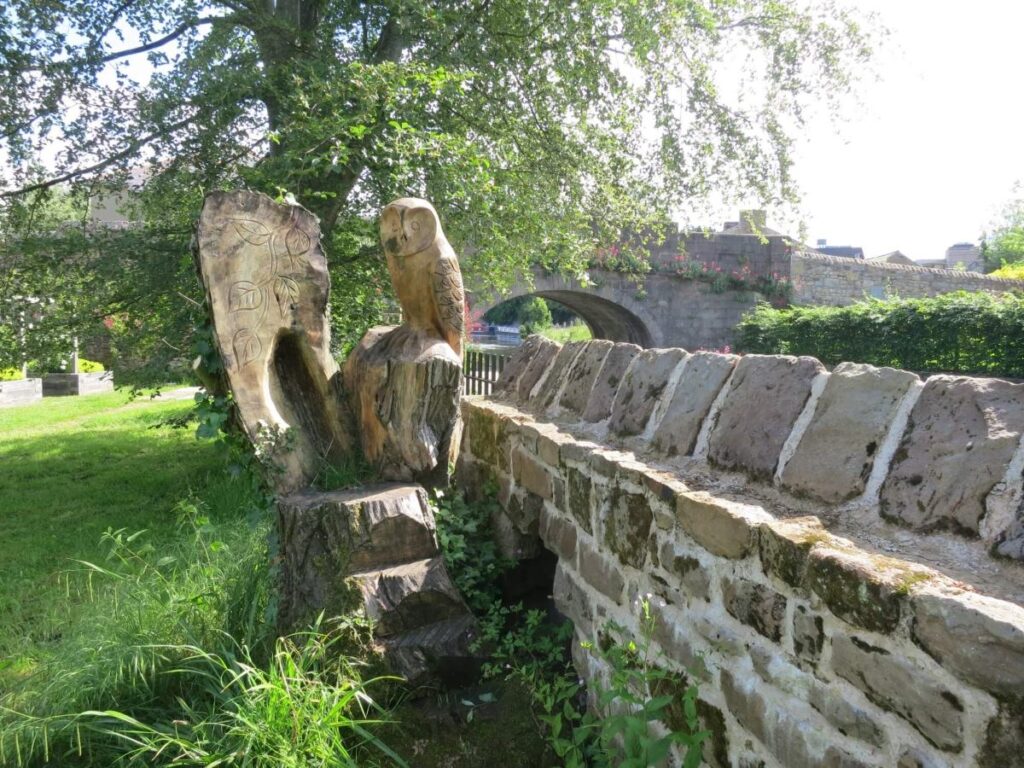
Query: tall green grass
[(158, 646), (176, 661)]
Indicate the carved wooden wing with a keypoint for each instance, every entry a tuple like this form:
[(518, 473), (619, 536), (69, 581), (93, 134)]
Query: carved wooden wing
[(450, 299)]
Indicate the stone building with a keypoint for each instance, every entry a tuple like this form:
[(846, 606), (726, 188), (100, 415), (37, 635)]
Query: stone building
[(964, 256)]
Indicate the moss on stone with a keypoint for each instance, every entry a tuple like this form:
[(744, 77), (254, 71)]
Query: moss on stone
[(854, 593), (579, 498), (905, 582), (628, 527), (1004, 737), (785, 553)]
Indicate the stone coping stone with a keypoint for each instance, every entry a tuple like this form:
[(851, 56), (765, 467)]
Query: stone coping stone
[(602, 396), (542, 356), (703, 377), (580, 379), (518, 362), (962, 434), (21, 391), (765, 398), (555, 376), (836, 453), (724, 528), (641, 389)]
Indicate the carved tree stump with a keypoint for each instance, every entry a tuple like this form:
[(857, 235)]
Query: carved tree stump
[(374, 546), (405, 386), (267, 285)]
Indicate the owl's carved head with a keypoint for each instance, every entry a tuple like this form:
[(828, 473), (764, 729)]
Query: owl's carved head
[(407, 226)]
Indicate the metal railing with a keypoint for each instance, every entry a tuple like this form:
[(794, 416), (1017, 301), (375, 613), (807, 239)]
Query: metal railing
[(481, 368)]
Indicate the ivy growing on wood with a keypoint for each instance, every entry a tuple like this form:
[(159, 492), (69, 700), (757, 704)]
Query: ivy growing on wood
[(969, 333)]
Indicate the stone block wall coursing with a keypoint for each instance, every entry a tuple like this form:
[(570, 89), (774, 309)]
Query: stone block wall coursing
[(836, 281), (810, 649)]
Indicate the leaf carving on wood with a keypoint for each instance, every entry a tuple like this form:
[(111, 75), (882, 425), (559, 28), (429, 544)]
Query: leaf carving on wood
[(244, 295), (286, 291), (296, 241), (253, 232), (247, 347)]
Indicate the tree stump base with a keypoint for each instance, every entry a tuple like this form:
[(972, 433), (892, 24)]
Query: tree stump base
[(374, 547), (404, 384)]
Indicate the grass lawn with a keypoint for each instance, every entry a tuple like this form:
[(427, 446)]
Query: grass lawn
[(71, 469), (578, 332), (172, 649)]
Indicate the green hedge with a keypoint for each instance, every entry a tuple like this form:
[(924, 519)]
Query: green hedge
[(971, 333)]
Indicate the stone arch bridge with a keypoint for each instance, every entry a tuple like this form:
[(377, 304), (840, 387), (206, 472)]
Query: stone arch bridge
[(653, 311), (663, 309)]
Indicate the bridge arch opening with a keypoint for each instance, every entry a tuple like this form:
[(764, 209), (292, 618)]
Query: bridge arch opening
[(604, 318)]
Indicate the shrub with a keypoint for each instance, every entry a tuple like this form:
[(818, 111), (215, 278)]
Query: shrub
[(11, 374), (1014, 271), (970, 333), (89, 366), (638, 691), (534, 316), (467, 541)]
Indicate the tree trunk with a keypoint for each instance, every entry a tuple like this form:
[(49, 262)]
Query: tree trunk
[(375, 547), (405, 387)]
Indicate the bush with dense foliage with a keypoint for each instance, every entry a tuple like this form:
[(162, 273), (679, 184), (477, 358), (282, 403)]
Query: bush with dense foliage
[(971, 333), (89, 366), (1014, 271)]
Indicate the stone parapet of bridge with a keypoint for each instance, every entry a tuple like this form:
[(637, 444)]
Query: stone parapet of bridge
[(833, 557), (836, 281)]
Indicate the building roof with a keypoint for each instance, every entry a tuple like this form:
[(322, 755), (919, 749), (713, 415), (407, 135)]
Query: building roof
[(893, 257), (847, 251)]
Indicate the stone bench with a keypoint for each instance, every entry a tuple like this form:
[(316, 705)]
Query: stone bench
[(21, 392), (65, 384)]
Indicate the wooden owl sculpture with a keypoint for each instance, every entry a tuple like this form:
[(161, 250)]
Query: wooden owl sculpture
[(424, 270)]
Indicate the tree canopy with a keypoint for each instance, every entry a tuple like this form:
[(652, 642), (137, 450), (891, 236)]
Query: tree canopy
[(540, 129), (1004, 247)]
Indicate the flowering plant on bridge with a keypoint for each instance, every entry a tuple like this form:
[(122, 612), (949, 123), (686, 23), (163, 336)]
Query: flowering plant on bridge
[(775, 287), (622, 258)]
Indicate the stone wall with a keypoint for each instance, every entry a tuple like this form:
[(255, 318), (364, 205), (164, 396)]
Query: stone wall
[(731, 252), (21, 391), (63, 384), (719, 486), (837, 281)]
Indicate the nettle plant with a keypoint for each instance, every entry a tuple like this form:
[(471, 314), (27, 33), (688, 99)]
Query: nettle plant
[(640, 710), (639, 694)]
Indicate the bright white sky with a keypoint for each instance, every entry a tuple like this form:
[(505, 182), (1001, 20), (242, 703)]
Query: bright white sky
[(932, 155)]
